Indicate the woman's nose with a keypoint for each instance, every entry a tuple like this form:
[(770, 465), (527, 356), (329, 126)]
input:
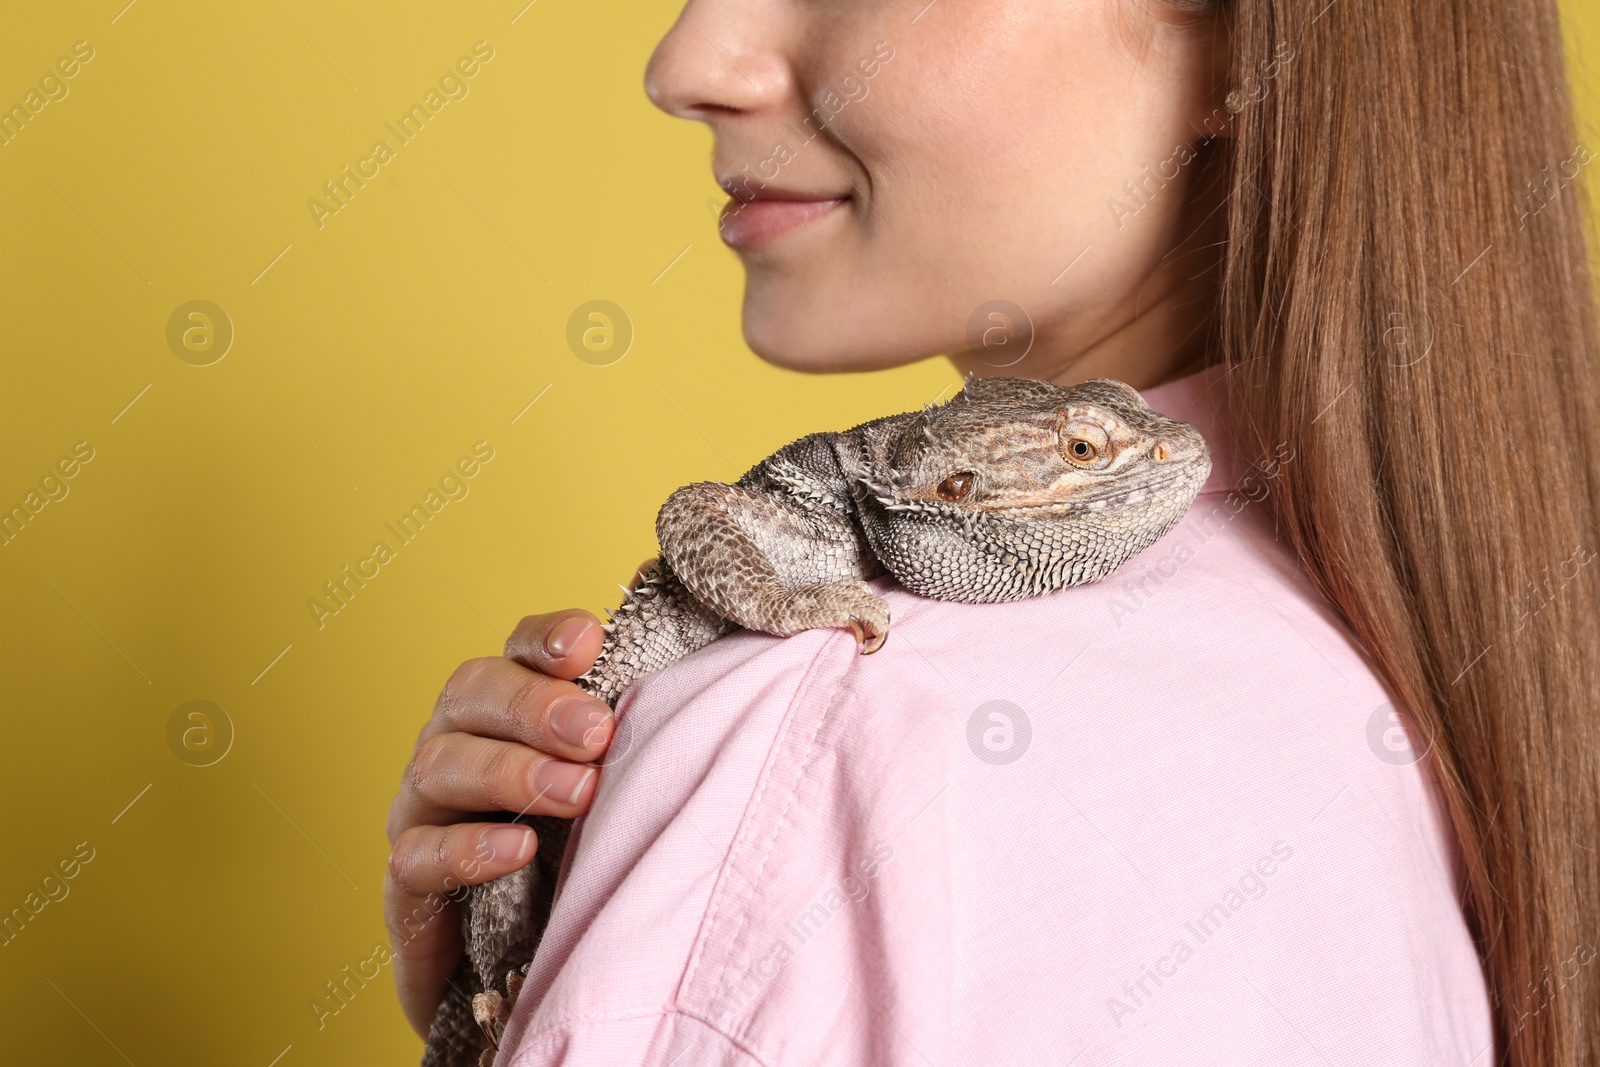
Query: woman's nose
[(719, 56)]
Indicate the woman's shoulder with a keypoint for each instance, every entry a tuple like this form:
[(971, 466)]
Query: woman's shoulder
[(1072, 818), (1085, 808)]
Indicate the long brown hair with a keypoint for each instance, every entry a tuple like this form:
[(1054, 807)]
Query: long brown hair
[(1406, 302)]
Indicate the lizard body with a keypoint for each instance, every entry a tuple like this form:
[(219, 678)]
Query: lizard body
[(1011, 489)]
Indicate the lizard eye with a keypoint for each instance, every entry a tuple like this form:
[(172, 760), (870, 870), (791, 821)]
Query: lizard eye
[(956, 486), (1085, 445)]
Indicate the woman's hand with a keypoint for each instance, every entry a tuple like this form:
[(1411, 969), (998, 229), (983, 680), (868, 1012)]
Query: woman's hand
[(508, 733)]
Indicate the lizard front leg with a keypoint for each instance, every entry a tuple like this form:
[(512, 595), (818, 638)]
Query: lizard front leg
[(770, 563)]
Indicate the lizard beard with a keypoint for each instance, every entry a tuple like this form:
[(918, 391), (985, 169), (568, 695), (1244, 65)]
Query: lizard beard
[(995, 557)]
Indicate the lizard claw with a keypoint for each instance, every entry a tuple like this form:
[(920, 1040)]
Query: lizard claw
[(493, 1011), (485, 1008), (869, 639)]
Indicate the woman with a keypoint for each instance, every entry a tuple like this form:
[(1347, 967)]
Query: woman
[(1173, 817)]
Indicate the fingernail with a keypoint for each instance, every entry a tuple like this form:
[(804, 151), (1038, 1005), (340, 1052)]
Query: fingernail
[(579, 722), (509, 843), (562, 780), (565, 635)]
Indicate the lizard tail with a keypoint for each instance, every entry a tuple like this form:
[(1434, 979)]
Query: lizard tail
[(456, 1039), (658, 623)]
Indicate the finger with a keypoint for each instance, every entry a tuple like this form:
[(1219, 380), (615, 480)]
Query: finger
[(494, 697), (441, 859), (423, 922), (457, 772), (562, 644)]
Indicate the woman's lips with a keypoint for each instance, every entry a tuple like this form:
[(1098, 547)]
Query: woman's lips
[(746, 224)]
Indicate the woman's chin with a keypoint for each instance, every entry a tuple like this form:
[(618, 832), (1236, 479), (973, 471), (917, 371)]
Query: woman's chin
[(826, 355), (818, 342)]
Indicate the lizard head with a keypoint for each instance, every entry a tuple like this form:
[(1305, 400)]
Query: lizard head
[(1048, 485), (1016, 444)]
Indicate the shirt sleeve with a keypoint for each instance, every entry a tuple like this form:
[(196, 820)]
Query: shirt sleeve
[(692, 781)]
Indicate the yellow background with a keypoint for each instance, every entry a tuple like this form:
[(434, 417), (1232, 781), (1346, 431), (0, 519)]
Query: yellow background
[(369, 355)]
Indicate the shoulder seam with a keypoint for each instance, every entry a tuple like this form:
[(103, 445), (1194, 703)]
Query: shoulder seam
[(721, 893), (552, 1032)]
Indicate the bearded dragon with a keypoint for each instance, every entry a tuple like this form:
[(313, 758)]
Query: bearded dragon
[(1012, 488)]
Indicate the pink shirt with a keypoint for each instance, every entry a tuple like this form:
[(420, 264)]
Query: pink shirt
[(1166, 818)]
